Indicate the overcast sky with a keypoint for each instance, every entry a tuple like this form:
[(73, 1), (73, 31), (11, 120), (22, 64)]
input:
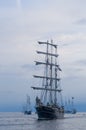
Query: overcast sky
[(22, 24)]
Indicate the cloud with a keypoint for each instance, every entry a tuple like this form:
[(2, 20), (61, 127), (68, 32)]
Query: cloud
[(18, 2), (7, 3), (81, 21), (30, 67), (81, 62)]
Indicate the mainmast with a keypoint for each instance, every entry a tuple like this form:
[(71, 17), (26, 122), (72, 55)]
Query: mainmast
[(51, 78), (55, 98)]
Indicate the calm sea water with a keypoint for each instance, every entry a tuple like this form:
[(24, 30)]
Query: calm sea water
[(19, 121)]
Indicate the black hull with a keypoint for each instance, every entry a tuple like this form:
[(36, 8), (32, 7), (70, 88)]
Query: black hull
[(49, 113)]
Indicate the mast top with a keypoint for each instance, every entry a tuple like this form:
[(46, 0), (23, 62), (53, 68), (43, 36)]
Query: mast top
[(54, 45)]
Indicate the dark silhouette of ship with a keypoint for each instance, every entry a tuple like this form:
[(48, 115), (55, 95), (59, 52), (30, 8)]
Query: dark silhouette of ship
[(69, 106), (27, 107), (49, 104)]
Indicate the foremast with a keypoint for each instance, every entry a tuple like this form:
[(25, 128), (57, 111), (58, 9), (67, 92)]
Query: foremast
[(51, 72)]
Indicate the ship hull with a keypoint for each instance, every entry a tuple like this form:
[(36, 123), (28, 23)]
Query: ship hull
[(49, 113)]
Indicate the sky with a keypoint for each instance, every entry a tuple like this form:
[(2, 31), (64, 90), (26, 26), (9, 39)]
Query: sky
[(22, 24)]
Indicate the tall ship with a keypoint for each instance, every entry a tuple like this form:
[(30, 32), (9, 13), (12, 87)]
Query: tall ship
[(69, 106), (49, 105)]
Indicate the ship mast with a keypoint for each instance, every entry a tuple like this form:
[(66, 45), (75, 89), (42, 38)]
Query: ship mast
[(55, 100), (51, 80), (49, 76)]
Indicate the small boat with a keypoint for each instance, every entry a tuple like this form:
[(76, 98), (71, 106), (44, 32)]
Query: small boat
[(27, 107), (49, 105), (27, 112)]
